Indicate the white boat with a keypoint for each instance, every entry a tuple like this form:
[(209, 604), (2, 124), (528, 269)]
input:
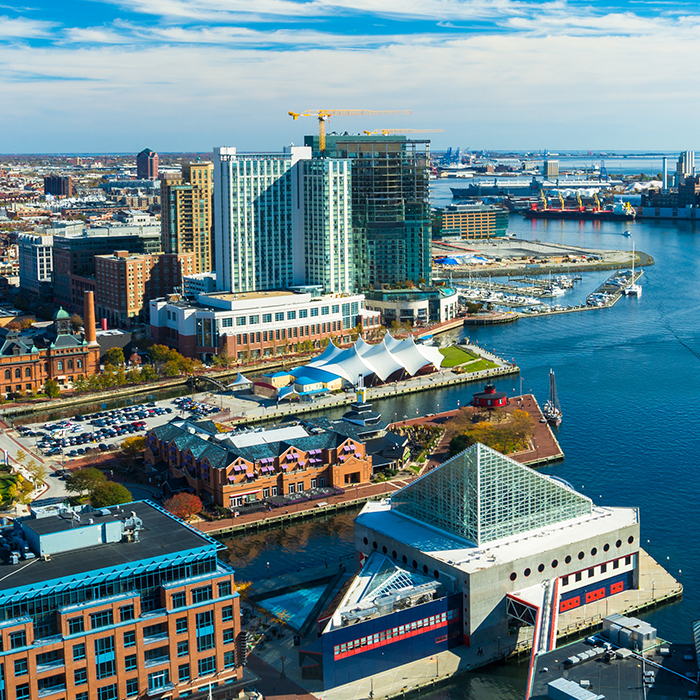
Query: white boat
[(633, 289), (550, 409)]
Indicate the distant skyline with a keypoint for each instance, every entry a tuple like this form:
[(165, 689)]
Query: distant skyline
[(187, 75)]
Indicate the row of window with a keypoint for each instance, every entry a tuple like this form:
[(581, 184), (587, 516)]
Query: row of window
[(396, 632), (578, 576), (568, 559), (282, 334)]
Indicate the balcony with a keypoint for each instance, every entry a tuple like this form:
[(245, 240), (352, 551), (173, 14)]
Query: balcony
[(162, 636), (155, 692), (46, 692)]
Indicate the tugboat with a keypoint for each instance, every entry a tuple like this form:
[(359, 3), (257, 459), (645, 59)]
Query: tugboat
[(551, 409)]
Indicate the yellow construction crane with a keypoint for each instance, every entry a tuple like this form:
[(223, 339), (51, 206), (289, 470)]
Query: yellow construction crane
[(388, 132), (323, 115)]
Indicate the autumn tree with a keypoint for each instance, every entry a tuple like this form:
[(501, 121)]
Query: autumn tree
[(110, 493), (51, 389), (133, 446), (76, 322), (114, 356), (183, 505)]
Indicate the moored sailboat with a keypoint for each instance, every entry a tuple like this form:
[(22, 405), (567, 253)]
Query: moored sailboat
[(551, 409)]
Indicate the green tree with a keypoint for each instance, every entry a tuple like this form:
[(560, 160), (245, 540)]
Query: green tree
[(171, 368), (81, 385), (133, 376), (110, 493), (83, 480), (460, 443), (51, 389), (114, 356), (223, 359), (159, 353), (148, 374)]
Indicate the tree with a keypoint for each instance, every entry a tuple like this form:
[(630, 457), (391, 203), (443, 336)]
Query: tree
[(81, 385), (135, 358), (38, 471), (148, 374), (114, 356), (110, 493), (133, 446), (133, 376), (76, 322), (87, 479), (159, 353), (51, 389), (20, 456), (183, 505), (459, 443)]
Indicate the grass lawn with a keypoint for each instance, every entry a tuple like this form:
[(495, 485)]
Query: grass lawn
[(456, 356), (481, 364)]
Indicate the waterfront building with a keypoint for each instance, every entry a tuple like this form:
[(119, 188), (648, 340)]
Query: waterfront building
[(489, 397), (415, 305), (391, 220), (282, 220), (471, 221), (29, 358), (117, 603), (58, 185), (35, 264), (75, 249), (247, 467), (490, 532), (254, 324), (147, 165), (126, 282), (186, 218)]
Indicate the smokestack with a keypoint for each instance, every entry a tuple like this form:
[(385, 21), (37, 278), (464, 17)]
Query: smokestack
[(104, 324), (665, 184), (89, 317)]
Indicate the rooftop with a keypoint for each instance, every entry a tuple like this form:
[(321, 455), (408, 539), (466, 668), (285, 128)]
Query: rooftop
[(242, 296), (162, 535)]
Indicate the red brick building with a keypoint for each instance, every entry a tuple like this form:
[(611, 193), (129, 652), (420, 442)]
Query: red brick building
[(125, 283)]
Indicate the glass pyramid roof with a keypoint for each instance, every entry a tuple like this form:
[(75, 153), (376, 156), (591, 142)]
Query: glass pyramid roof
[(483, 496)]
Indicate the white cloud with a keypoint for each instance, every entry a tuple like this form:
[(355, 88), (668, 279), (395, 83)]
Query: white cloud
[(21, 28)]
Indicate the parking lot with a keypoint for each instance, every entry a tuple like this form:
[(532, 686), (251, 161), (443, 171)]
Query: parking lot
[(80, 435)]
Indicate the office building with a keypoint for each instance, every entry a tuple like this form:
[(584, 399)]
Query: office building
[(75, 249), (186, 218), (415, 306), (118, 603), (550, 168), (514, 545), (35, 264), (126, 282), (685, 166), (147, 165), (282, 220), (474, 221), (391, 221), (201, 283), (58, 185), (255, 324)]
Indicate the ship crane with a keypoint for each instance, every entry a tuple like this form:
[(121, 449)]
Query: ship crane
[(323, 115), (388, 132)]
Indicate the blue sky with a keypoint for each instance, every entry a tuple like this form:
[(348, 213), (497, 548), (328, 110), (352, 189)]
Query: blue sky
[(186, 75)]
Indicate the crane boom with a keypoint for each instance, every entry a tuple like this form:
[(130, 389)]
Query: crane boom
[(324, 115), (387, 132)]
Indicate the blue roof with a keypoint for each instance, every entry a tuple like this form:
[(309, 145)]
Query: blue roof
[(447, 261), (314, 374)]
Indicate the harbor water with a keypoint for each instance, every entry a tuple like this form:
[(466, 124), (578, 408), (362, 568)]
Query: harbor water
[(628, 379)]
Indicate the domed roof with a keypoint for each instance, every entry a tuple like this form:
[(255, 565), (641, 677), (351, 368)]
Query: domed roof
[(61, 314)]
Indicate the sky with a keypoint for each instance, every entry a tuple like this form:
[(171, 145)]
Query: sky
[(100, 76)]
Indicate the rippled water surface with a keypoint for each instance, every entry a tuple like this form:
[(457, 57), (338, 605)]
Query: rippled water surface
[(629, 386)]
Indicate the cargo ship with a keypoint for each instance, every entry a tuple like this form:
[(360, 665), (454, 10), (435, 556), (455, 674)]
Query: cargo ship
[(620, 211)]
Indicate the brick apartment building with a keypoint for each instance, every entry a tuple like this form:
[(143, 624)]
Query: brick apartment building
[(114, 604), (126, 282)]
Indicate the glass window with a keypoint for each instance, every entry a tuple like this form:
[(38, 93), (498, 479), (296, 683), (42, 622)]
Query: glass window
[(200, 595), (82, 696), (79, 652), (253, 320), (130, 662), (227, 613), (314, 311), (324, 310), (303, 313), (107, 692), (291, 315), (80, 676), (229, 636), (21, 667), (103, 618), (267, 318), (206, 666), (179, 600), (336, 308), (181, 625), (229, 659), (18, 639), (183, 672), (22, 692), (183, 648), (279, 316), (240, 320), (126, 613), (132, 687), (158, 679), (224, 589), (130, 639)]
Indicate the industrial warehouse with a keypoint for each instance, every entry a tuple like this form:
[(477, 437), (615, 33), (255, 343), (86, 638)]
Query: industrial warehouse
[(478, 549)]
